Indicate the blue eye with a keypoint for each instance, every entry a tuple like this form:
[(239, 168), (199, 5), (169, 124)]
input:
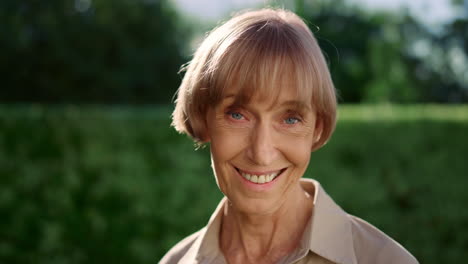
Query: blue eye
[(291, 120), (236, 115)]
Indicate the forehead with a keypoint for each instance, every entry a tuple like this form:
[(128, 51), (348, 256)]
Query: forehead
[(275, 82)]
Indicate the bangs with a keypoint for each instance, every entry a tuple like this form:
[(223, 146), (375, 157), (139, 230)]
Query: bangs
[(263, 61)]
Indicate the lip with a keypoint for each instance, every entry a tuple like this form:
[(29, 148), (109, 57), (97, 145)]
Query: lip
[(260, 172), (263, 186)]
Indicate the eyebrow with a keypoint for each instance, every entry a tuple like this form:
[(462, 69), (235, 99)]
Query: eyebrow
[(296, 104), (228, 96)]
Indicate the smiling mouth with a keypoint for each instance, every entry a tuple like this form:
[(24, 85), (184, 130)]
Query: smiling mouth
[(260, 178)]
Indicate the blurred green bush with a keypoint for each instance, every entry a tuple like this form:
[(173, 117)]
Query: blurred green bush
[(129, 51), (83, 51), (118, 185)]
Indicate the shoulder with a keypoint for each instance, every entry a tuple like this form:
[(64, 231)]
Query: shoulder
[(180, 249), (373, 246)]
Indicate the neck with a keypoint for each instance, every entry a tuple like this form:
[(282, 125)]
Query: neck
[(265, 238)]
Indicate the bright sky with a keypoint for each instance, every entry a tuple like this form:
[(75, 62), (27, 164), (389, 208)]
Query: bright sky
[(431, 12)]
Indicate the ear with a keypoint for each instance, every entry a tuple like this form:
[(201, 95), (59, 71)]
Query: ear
[(204, 137), (204, 134), (318, 130)]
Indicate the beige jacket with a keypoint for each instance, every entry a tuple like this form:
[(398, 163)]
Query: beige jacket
[(332, 236)]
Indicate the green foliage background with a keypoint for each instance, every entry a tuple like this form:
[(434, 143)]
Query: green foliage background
[(118, 185), (129, 51), (90, 51)]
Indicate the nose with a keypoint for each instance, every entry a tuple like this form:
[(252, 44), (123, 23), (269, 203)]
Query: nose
[(262, 150)]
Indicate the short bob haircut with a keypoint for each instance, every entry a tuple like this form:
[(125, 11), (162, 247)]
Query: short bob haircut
[(259, 53)]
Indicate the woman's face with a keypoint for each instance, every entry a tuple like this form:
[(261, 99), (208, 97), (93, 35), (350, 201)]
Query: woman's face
[(260, 150)]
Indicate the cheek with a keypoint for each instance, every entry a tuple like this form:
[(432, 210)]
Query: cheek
[(300, 156), (224, 139), (225, 146), (297, 150)]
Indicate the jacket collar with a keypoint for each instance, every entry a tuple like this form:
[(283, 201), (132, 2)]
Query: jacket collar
[(329, 233)]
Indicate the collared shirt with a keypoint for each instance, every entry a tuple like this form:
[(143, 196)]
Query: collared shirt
[(331, 236)]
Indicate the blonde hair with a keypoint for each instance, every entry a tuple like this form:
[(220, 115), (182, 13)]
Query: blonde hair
[(259, 52)]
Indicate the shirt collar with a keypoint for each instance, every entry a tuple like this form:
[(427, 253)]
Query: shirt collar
[(328, 234), (205, 249)]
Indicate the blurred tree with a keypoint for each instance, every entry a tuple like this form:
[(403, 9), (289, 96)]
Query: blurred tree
[(438, 59), (387, 57), (122, 51), (86, 51)]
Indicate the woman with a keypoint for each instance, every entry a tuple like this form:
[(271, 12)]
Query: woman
[(258, 90)]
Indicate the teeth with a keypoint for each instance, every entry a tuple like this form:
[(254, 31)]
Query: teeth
[(260, 179), (254, 179)]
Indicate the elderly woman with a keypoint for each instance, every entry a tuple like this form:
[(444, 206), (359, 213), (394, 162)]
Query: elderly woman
[(258, 90)]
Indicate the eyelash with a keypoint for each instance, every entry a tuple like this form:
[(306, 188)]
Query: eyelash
[(297, 120), (240, 116), (232, 113)]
